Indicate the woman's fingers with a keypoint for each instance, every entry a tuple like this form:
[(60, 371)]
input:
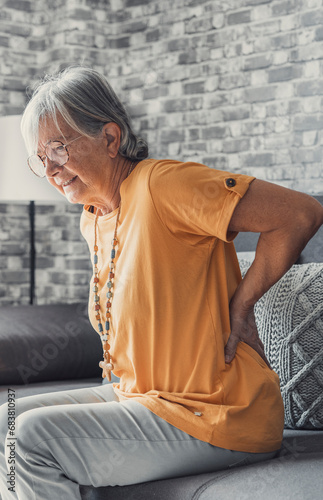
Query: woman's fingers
[(231, 347), (244, 329)]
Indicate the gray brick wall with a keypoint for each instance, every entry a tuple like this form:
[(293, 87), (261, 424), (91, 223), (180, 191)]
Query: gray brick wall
[(251, 67), (236, 85), (14, 254), (63, 267)]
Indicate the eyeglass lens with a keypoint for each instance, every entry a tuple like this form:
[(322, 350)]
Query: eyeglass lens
[(55, 152)]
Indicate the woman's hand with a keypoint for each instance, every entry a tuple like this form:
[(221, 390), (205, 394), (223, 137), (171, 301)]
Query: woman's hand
[(243, 329)]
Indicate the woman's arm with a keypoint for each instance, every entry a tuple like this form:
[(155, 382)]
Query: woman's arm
[(287, 220)]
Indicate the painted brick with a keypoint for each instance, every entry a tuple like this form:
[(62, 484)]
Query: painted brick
[(235, 113), (234, 80), (14, 277), (257, 62), (261, 12), (243, 16), (264, 28), (308, 122), (153, 35), (283, 74), (219, 39), (256, 2), (4, 41), (188, 57), (13, 248), (253, 128), (4, 96), (258, 78), (310, 138), (218, 21), (262, 44), (135, 3), (214, 132), (306, 155), (194, 88), (119, 43), (80, 264), (319, 34), (196, 146), (178, 44), (24, 5), (195, 25), (284, 41), (277, 141), (44, 262), (288, 23), (307, 53), (172, 136), (311, 69), (260, 94), (216, 100), (236, 145), (284, 7), (38, 44), (219, 162), (258, 159), (194, 134), (3, 208), (311, 88), (311, 18), (195, 103), (233, 50)]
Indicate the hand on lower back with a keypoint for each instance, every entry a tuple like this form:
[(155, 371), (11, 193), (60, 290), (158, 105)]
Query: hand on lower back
[(243, 329)]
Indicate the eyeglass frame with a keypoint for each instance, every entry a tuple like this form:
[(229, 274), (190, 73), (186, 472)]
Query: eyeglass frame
[(41, 159)]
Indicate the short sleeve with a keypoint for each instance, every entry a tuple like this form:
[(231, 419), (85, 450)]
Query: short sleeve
[(191, 198)]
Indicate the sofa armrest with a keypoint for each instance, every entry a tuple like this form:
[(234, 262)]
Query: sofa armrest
[(47, 342)]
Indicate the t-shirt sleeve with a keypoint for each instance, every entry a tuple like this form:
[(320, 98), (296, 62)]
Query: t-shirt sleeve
[(191, 198)]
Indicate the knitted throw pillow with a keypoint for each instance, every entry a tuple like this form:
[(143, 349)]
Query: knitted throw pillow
[(290, 322)]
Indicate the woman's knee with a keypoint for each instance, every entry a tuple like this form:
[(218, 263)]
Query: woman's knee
[(9, 413), (28, 427)]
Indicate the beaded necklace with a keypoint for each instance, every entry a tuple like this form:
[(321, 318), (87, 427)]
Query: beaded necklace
[(106, 364)]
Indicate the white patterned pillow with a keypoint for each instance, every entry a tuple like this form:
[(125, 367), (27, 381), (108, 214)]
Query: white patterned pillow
[(290, 322)]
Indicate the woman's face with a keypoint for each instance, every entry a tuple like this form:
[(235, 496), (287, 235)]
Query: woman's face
[(86, 176)]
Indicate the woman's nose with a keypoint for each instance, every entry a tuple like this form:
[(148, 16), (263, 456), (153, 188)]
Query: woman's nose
[(51, 167)]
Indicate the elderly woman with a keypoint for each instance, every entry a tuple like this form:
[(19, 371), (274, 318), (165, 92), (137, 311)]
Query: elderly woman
[(195, 391)]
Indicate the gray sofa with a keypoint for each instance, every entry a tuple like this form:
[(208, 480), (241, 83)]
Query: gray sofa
[(35, 358)]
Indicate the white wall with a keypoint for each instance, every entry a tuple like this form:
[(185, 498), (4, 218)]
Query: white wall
[(17, 182)]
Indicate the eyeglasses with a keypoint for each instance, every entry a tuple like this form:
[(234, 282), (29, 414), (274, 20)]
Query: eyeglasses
[(55, 151)]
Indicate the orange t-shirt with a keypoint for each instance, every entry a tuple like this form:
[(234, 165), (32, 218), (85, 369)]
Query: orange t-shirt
[(176, 270)]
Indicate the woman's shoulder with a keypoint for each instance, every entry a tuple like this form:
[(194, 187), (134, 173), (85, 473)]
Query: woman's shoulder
[(166, 170), (153, 172), (174, 174)]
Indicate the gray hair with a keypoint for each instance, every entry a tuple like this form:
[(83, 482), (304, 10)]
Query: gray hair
[(86, 101)]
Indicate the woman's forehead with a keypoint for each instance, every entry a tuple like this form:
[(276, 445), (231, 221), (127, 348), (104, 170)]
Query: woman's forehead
[(51, 129)]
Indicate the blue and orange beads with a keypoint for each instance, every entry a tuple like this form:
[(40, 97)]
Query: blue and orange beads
[(106, 364)]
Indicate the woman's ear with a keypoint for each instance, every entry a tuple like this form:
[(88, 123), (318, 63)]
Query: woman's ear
[(112, 136)]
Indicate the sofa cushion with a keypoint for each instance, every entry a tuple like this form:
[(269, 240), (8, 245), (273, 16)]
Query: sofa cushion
[(294, 473), (290, 323), (50, 342)]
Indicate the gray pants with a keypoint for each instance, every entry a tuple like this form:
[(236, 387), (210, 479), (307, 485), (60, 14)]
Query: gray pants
[(85, 436)]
